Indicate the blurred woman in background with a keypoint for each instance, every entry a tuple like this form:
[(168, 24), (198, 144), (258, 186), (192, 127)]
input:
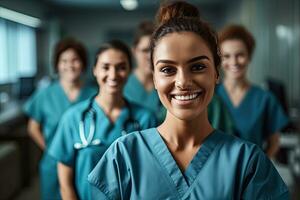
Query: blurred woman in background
[(87, 129), (47, 105), (140, 88), (256, 113)]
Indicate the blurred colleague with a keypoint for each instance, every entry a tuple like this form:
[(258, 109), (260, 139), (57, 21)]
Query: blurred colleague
[(256, 113), (88, 128), (140, 88), (47, 105), (184, 157)]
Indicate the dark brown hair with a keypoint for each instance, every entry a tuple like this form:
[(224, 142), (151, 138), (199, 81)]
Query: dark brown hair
[(145, 28), (70, 43), (117, 45), (181, 16), (240, 33)]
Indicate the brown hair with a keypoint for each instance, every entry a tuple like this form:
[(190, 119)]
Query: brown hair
[(145, 28), (240, 33), (70, 43), (117, 45), (181, 16)]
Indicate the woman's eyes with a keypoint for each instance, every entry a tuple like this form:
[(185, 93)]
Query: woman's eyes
[(121, 68), (197, 67), (105, 67), (167, 70)]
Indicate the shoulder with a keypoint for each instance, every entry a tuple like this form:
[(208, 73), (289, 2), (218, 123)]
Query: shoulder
[(128, 143), (236, 144), (76, 110), (263, 94)]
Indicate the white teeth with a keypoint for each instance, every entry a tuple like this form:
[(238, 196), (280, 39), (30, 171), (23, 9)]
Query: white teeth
[(112, 83), (186, 97)]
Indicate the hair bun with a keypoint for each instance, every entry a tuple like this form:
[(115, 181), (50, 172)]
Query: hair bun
[(177, 9)]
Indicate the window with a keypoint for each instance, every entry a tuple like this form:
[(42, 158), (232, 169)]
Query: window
[(17, 51)]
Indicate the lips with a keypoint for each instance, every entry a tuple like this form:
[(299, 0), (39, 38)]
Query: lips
[(189, 96), (112, 83)]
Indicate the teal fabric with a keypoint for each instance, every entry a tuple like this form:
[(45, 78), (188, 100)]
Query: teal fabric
[(219, 116), (135, 92), (257, 117), (46, 106), (140, 166), (84, 160)]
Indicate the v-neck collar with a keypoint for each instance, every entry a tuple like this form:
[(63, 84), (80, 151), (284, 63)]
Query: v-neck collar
[(63, 92), (229, 101), (141, 86), (182, 181), (121, 119)]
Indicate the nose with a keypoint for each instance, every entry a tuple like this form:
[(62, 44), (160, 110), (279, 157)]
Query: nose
[(112, 74), (233, 60), (183, 80)]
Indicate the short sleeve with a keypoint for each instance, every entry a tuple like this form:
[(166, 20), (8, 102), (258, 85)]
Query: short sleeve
[(33, 106), (110, 177), (61, 147), (276, 118), (262, 180)]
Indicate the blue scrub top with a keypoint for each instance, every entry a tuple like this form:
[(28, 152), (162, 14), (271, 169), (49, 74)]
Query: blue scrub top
[(140, 166), (135, 92), (46, 106), (219, 116), (84, 160), (257, 117)]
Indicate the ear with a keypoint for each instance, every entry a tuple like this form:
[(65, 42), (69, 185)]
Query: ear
[(94, 71)]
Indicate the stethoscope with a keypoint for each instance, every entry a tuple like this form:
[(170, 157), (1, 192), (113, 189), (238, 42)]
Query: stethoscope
[(90, 141)]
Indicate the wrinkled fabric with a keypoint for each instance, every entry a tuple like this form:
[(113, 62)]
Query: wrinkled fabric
[(46, 106), (257, 117), (140, 166), (84, 160)]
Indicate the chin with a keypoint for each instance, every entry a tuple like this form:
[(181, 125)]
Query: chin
[(186, 115)]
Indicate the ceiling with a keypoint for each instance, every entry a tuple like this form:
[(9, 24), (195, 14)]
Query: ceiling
[(115, 4)]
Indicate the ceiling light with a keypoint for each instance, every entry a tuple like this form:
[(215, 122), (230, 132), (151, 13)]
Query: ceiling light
[(129, 4), (19, 17)]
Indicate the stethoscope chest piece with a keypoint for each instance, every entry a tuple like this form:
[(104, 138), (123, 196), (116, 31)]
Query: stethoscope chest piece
[(89, 141)]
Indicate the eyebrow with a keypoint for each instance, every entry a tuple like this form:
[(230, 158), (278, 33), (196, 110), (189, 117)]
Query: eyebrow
[(117, 64), (189, 61)]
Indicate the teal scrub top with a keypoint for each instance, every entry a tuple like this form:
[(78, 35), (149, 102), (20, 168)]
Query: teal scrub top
[(219, 116), (257, 117), (140, 166), (84, 160), (135, 92), (46, 106)]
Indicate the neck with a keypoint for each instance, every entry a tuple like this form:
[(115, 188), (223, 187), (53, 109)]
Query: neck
[(236, 84), (70, 85), (185, 134), (110, 102), (144, 78)]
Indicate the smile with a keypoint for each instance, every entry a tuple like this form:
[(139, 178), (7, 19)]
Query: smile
[(187, 97), (112, 83)]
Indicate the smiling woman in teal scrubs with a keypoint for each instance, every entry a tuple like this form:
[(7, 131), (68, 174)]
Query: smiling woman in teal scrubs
[(46, 107), (184, 157), (78, 147), (256, 113), (139, 87)]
